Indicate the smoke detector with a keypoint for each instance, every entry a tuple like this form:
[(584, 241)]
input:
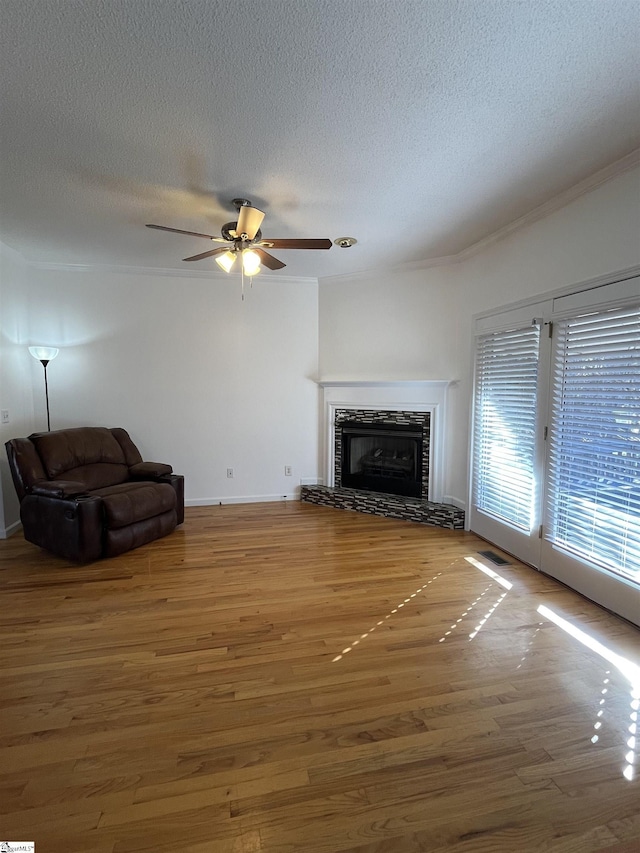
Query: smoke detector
[(345, 242)]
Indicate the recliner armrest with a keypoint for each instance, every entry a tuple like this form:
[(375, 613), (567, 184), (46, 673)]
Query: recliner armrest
[(149, 470), (58, 488), (70, 528), (176, 481)]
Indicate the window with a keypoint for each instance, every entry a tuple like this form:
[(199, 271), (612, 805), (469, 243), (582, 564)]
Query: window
[(555, 473), (594, 450), (505, 420)]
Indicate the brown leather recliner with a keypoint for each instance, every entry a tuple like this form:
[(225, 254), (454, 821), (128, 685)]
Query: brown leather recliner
[(85, 493)]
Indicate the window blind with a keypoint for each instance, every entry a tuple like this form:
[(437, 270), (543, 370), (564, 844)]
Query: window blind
[(504, 424), (594, 454)]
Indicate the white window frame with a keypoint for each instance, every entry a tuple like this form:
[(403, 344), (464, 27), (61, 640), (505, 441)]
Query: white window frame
[(612, 591), (525, 544)]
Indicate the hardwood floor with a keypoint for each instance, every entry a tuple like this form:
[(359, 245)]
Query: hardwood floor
[(289, 678)]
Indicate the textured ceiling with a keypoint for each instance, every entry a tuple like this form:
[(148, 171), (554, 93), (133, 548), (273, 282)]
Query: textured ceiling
[(417, 126)]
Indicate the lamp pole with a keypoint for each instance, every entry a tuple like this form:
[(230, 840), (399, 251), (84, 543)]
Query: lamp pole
[(44, 362), (44, 356)]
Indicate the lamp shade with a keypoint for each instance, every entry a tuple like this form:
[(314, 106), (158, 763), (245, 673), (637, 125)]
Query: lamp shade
[(250, 262), (44, 356), (226, 261), (44, 353)]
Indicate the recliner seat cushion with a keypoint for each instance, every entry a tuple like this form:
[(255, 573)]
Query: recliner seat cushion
[(128, 503)]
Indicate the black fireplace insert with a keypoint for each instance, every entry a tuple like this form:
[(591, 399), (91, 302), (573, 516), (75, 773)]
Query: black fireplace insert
[(382, 457)]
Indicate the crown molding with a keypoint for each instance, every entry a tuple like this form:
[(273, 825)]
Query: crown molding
[(409, 266), (597, 179), (9, 252), (209, 275), (613, 170)]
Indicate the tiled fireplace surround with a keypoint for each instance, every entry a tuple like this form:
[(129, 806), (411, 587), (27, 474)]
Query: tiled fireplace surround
[(420, 403)]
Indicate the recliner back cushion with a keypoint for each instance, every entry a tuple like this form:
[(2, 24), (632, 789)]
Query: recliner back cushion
[(99, 475), (88, 454)]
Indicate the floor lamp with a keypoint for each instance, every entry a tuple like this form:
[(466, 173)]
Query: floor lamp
[(44, 356)]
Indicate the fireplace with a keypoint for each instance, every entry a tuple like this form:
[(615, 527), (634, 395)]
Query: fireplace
[(415, 411), (382, 457), (383, 451)]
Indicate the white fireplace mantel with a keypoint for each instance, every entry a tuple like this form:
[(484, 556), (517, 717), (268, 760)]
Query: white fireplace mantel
[(386, 383), (403, 396)]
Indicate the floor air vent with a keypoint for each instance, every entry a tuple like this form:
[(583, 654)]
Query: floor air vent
[(495, 558)]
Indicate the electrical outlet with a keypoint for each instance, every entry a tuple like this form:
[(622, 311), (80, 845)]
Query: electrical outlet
[(5, 416), (287, 470), (230, 473)]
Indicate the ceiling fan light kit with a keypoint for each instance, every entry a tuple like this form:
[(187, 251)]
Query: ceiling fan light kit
[(244, 238), (250, 262), (226, 260)]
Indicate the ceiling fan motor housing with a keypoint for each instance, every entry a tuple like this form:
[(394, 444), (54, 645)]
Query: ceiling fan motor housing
[(229, 232)]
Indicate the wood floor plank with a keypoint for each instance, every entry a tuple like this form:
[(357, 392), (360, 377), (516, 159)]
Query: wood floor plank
[(285, 678)]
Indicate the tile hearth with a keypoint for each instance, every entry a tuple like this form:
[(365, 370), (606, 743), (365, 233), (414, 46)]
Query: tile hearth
[(389, 506)]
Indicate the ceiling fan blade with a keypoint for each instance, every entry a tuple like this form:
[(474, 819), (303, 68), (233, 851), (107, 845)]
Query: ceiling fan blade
[(208, 254), (249, 221), (180, 231), (268, 260), (296, 244)]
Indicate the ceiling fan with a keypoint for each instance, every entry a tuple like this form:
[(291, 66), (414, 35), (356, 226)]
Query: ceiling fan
[(243, 239)]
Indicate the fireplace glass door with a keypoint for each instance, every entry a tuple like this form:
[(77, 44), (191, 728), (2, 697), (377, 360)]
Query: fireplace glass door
[(382, 458)]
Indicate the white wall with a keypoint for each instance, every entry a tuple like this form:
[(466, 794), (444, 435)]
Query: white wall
[(418, 324), (397, 326), (388, 325), (199, 378), (205, 381), (15, 374)]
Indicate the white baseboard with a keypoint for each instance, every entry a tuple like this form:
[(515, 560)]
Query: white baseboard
[(6, 532), (240, 499), (450, 499), (311, 481), (290, 496)]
